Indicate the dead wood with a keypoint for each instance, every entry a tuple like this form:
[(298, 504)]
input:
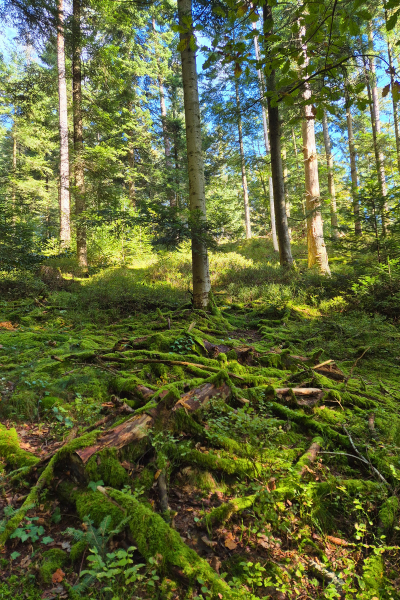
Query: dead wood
[(186, 364), (193, 400), (309, 457)]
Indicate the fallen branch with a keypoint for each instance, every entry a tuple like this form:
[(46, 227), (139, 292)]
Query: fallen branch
[(381, 477)]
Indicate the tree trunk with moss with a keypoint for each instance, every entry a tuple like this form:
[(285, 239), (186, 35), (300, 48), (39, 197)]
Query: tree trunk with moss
[(65, 224), (80, 202), (285, 252), (243, 166), (331, 180), (317, 254), (197, 200), (266, 143), (353, 165)]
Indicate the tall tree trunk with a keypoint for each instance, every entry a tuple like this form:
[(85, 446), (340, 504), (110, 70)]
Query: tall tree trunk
[(376, 125), (243, 166), (317, 254), (394, 102), (65, 224), (266, 142), (14, 171), (353, 165), (197, 200), (331, 180), (80, 204), (286, 186), (285, 252), (163, 111), (303, 205)]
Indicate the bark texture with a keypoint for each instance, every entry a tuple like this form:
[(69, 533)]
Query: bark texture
[(80, 204), (394, 103), (197, 200), (317, 254), (331, 180), (266, 143), (243, 166), (285, 252), (65, 224), (370, 74), (353, 166)]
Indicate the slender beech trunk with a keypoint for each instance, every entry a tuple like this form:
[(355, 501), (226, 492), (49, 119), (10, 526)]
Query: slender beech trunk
[(317, 254), (394, 102), (331, 180), (243, 165), (266, 142), (285, 253), (14, 171), (353, 165), (303, 205), (64, 198), (285, 184), (80, 204), (376, 125), (197, 200), (163, 111)]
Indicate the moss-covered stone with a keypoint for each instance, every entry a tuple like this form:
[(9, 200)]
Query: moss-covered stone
[(52, 560)]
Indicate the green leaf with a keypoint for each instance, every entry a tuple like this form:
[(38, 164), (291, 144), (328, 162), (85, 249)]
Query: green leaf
[(47, 540), (392, 20), (15, 555), (93, 484), (385, 90)]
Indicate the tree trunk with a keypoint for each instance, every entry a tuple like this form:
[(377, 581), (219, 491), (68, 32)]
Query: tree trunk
[(303, 205), (65, 224), (197, 200), (243, 166), (163, 111), (376, 125), (317, 254), (80, 204), (14, 171), (353, 166), (331, 181), (285, 184), (285, 253), (266, 143), (394, 102)]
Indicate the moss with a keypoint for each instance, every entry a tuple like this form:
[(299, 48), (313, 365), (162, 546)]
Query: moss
[(305, 459), (106, 466), (11, 452), (355, 400), (388, 513), (223, 513), (77, 550), (153, 536), (52, 560), (213, 462)]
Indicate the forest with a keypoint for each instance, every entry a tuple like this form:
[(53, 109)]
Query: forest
[(199, 299)]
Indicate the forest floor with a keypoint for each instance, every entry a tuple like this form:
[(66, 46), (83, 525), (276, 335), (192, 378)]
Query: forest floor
[(149, 450)]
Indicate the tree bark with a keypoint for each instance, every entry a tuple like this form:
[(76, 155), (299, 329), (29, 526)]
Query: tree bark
[(243, 166), (285, 252), (65, 224), (285, 184), (395, 107), (317, 254), (163, 111), (14, 171), (376, 125), (331, 180), (266, 143), (80, 203), (197, 200), (353, 166)]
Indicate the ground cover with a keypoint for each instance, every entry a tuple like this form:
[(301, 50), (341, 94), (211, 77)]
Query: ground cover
[(152, 451)]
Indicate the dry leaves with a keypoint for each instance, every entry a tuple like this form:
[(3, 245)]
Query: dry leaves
[(229, 542)]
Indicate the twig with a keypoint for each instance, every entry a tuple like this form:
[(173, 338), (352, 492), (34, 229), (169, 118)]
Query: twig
[(354, 366), (345, 454), (381, 477)]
